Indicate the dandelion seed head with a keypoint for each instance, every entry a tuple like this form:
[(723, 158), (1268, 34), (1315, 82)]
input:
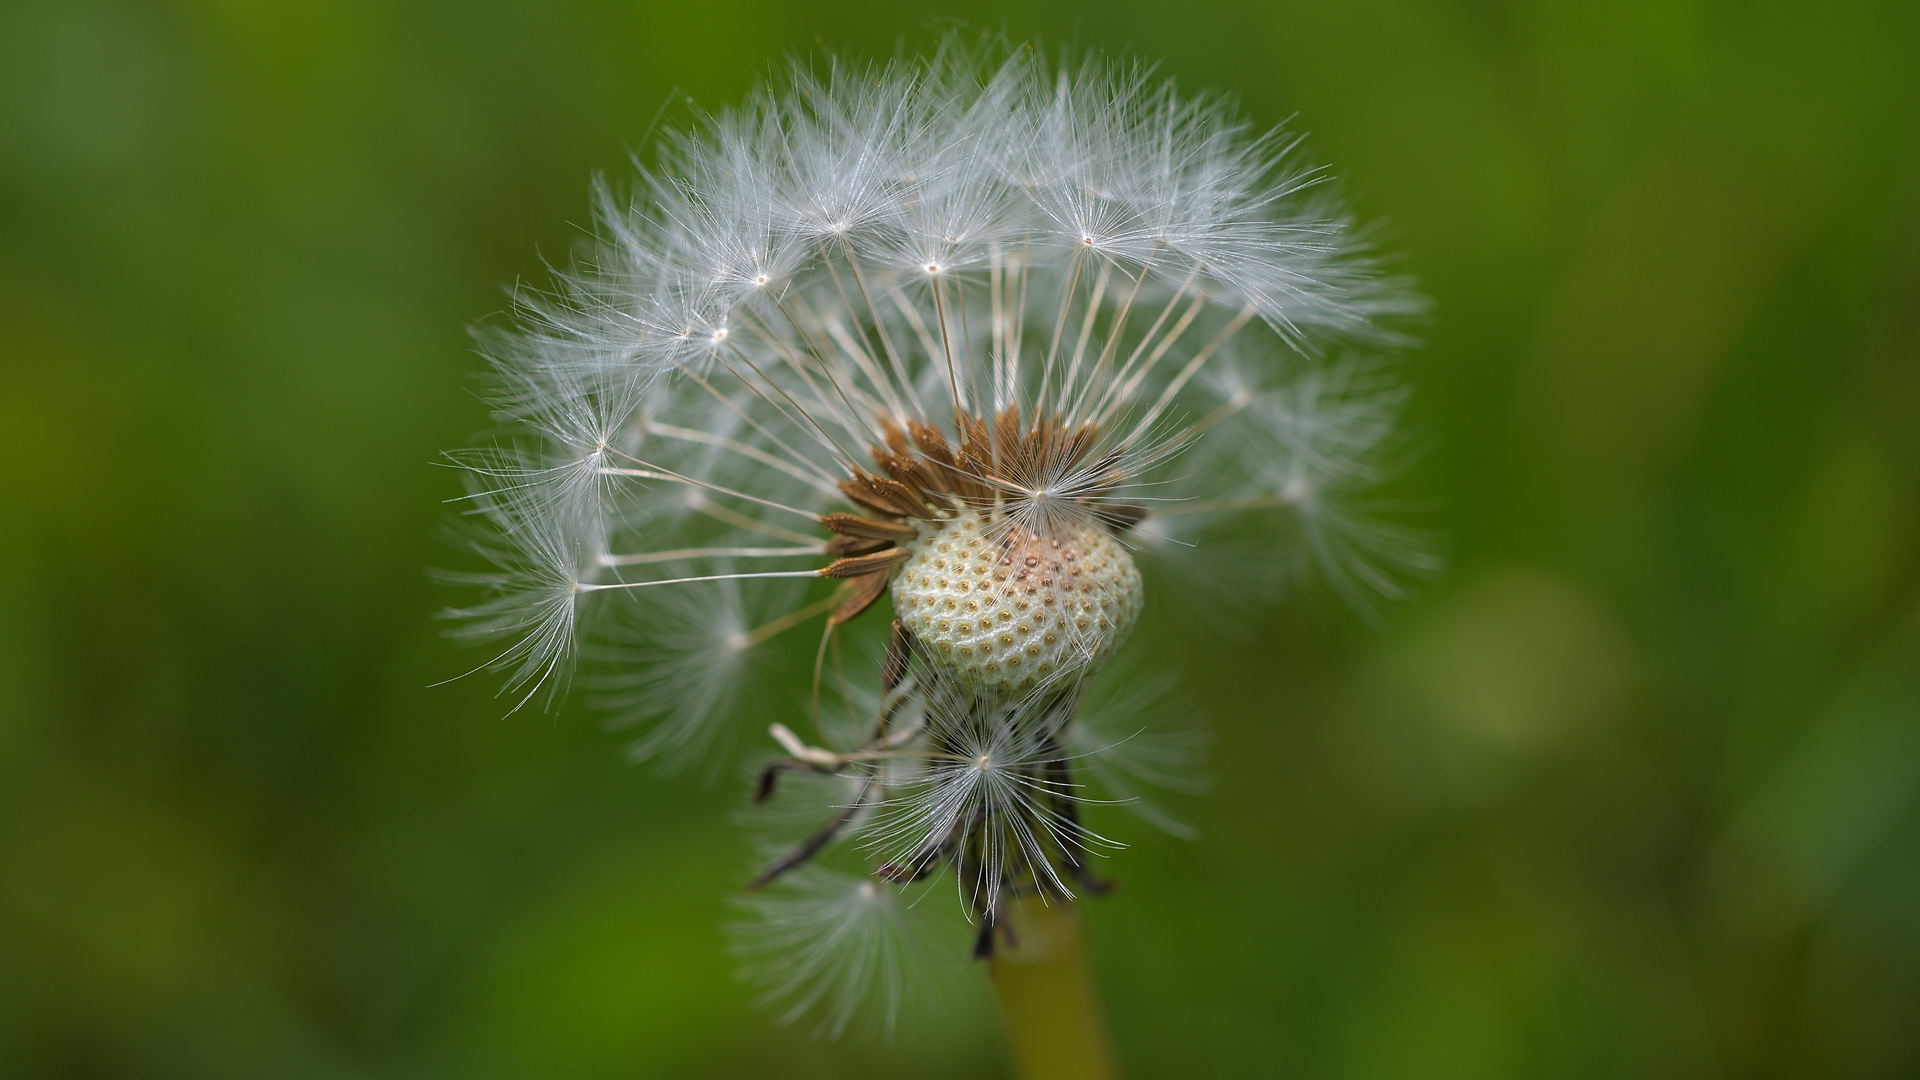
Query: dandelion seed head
[(976, 338)]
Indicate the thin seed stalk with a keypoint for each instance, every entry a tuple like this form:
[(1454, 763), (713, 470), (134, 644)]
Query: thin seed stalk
[(1055, 1027)]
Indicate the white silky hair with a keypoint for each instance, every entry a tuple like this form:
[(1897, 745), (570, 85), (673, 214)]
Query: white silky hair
[(990, 769), (845, 950), (1137, 737), (862, 250), (542, 560), (1296, 448), (681, 665)]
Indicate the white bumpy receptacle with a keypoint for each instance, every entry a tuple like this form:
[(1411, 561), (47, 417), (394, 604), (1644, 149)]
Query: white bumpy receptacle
[(1006, 610)]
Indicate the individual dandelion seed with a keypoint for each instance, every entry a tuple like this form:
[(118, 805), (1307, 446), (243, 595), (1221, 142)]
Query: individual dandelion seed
[(843, 949), (977, 337)]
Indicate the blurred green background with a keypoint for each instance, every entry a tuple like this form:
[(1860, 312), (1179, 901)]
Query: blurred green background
[(1634, 791)]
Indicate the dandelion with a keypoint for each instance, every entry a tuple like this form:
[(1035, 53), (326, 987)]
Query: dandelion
[(976, 338)]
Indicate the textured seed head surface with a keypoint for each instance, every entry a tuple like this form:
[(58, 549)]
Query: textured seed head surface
[(1004, 610)]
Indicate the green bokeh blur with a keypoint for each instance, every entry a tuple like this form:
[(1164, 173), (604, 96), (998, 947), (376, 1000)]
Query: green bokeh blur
[(1634, 791)]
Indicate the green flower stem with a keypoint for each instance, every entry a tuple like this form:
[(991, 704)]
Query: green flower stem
[(1055, 1029)]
